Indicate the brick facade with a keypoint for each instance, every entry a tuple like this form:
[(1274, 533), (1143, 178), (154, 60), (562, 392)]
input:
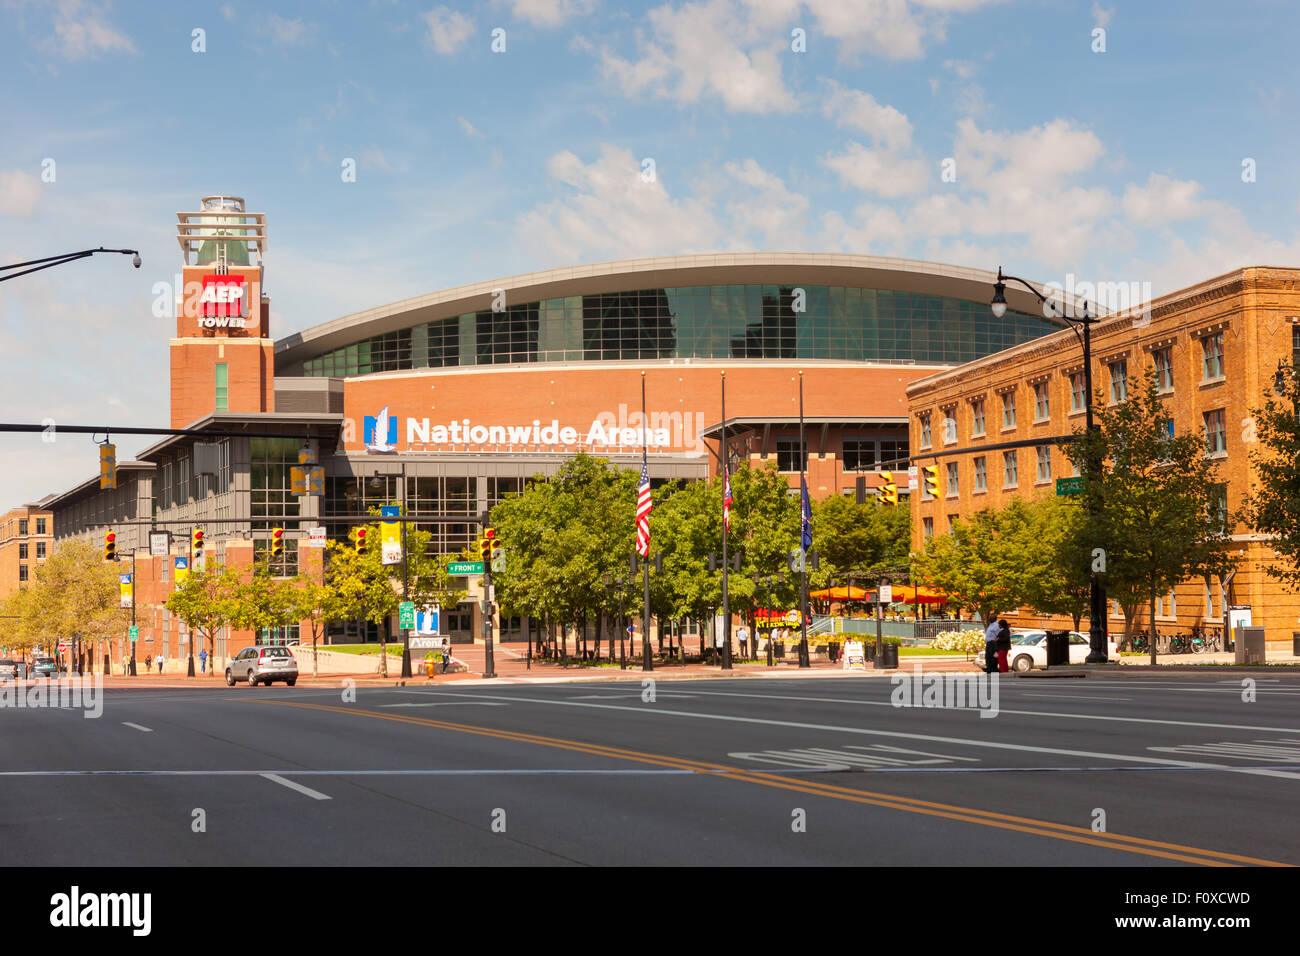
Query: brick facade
[(1254, 310)]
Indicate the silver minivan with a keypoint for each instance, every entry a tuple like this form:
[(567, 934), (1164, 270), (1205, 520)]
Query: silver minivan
[(264, 664)]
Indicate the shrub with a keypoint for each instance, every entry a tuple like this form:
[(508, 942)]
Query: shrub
[(959, 642)]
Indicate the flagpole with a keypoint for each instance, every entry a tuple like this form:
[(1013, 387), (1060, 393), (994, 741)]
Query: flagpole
[(726, 603), (646, 663), (803, 565)]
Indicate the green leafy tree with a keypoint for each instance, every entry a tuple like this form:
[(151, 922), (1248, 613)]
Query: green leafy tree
[(207, 601), (1152, 507), (74, 594), (1059, 581), (984, 564), (318, 604), (1273, 507), (860, 539)]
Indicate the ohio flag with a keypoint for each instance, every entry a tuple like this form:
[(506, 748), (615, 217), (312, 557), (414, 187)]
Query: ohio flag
[(644, 505), (726, 500)]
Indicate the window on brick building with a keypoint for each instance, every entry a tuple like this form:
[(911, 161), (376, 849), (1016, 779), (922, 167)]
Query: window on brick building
[(222, 378), (1216, 438), (1041, 412), (1078, 392), (1164, 366), (40, 549), (790, 456), (22, 574), (927, 528), (22, 551), (981, 474), (951, 490), (1118, 381), (1008, 409), (1010, 475), (1212, 357), (1044, 463), (977, 417), (925, 430)]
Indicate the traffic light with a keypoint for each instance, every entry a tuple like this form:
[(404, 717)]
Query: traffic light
[(359, 539), (931, 480), (488, 544), (888, 491), (196, 545), (277, 542), (110, 546)]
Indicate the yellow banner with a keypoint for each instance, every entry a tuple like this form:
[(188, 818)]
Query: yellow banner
[(182, 565)]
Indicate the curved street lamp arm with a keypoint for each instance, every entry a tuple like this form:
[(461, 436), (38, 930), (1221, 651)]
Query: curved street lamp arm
[(51, 261)]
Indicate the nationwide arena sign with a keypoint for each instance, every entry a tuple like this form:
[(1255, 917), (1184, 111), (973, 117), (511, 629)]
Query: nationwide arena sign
[(381, 433)]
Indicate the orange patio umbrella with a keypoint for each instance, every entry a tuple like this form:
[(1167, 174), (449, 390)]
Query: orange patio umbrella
[(839, 594)]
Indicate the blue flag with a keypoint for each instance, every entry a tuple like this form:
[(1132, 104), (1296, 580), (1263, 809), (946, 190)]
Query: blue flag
[(805, 521)]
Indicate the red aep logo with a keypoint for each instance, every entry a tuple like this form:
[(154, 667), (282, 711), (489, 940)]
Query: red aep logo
[(223, 295)]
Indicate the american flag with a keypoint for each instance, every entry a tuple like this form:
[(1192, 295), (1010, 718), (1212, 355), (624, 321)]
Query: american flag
[(644, 505), (805, 518), (727, 500)]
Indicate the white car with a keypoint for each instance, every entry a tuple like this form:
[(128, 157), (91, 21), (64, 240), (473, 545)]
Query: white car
[(1029, 649)]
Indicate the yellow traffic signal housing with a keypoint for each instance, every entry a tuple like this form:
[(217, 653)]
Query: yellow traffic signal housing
[(359, 539), (110, 546), (487, 545), (196, 544), (888, 492), (277, 542), (931, 473)]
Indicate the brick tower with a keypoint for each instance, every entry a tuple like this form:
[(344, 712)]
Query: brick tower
[(222, 358)]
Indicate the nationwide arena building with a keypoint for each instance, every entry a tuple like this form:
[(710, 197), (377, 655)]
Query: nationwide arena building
[(446, 403)]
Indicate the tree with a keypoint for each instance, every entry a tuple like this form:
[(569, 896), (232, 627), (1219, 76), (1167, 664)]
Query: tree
[(985, 563), (1273, 508), (860, 539), (207, 601), (1151, 510), (1059, 581), (73, 594), (319, 604)]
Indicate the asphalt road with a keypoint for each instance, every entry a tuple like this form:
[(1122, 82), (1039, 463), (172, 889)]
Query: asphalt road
[(741, 772)]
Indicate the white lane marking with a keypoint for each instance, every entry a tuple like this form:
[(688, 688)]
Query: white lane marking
[(622, 696), (621, 771), (827, 758), (1003, 710), (449, 703), (314, 794), (128, 723), (1076, 697), (1265, 751), (963, 741)]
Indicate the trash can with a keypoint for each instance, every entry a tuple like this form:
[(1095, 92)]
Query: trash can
[(888, 659), (1058, 648), (1250, 645), (1295, 643)]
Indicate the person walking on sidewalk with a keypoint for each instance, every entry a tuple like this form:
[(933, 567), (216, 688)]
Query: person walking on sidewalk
[(1003, 644), (148, 664), (991, 643), (446, 654), (203, 661), (160, 663)]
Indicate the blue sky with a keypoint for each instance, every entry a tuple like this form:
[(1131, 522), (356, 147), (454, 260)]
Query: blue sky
[(1122, 165)]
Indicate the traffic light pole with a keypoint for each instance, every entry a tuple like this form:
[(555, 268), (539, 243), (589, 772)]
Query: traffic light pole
[(489, 657), (726, 602), (132, 643)]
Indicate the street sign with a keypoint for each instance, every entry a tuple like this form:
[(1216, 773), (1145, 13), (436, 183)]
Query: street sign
[(315, 537), (464, 568), (1069, 486), (886, 594), (135, 633), (425, 643), (160, 543), (406, 615)]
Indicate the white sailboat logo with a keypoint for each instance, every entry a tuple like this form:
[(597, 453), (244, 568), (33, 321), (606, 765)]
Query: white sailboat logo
[(379, 437)]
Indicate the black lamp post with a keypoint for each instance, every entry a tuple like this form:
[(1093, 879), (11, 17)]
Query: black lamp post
[(50, 262), (1097, 636)]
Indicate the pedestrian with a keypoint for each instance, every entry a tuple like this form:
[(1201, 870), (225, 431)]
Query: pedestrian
[(124, 659), (743, 635), (446, 654), (160, 663), (1004, 645), (203, 661), (148, 664), (991, 643)]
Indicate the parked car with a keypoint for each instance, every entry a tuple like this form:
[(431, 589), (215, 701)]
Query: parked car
[(8, 669), (1029, 649), (263, 665), (45, 667)]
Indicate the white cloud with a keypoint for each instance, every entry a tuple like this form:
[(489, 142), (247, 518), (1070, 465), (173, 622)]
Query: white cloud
[(19, 193), (469, 128), (82, 30), (227, 11), (551, 13), (448, 29), (1101, 16), (767, 210), (884, 172), (706, 49), (859, 110), (1162, 200), (374, 158), (287, 32)]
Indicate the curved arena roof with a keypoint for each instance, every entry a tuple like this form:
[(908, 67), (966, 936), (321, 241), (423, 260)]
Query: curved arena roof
[(715, 269)]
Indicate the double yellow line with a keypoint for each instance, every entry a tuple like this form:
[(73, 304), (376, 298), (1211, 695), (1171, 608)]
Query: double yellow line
[(1002, 821)]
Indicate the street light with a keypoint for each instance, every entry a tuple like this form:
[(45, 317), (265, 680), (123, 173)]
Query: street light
[(1097, 636), (50, 262)]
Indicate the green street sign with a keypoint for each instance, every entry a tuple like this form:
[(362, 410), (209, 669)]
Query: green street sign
[(464, 568), (406, 615), (135, 633), (1069, 486)]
